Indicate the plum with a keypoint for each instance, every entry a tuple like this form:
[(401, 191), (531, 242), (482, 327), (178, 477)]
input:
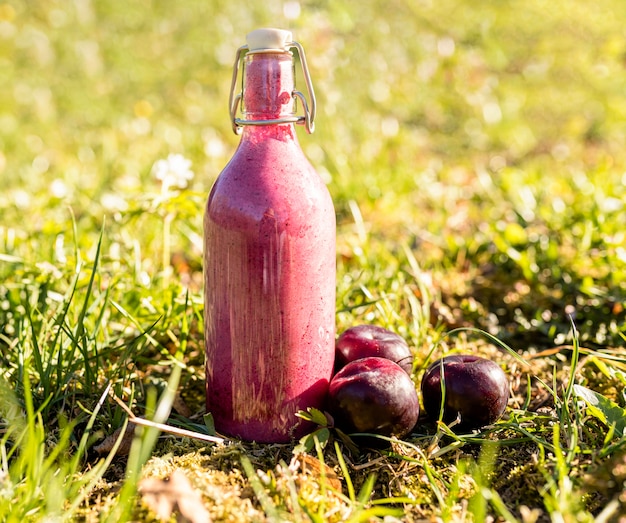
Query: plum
[(476, 388), (363, 341), (373, 395)]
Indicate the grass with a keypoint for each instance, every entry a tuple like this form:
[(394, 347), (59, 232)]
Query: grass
[(474, 154)]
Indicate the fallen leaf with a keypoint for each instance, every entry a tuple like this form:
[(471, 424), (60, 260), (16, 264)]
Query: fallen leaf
[(181, 406), (108, 443), (312, 466), (174, 494)]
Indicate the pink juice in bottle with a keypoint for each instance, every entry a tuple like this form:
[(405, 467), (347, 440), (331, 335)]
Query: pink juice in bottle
[(269, 264)]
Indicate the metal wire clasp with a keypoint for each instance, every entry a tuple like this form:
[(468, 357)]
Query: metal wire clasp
[(234, 101)]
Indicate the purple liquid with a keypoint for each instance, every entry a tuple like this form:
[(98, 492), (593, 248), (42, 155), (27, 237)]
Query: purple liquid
[(269, 273)]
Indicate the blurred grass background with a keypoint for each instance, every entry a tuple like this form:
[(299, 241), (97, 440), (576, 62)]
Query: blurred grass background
[(487, 137), (474, 151)]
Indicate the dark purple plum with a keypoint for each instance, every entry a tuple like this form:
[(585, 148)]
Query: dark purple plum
[(373, 395), (364, 341), (475, 387)]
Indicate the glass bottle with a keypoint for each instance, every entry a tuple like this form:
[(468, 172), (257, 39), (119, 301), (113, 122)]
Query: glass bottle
[(269, 258)]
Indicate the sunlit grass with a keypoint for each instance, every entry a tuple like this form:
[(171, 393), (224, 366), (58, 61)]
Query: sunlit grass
[(474, 154)]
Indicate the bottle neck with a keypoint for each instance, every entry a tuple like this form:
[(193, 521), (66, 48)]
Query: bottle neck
[(268, 86)]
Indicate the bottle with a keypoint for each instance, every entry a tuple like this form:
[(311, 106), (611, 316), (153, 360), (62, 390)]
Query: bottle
[(269, 258)]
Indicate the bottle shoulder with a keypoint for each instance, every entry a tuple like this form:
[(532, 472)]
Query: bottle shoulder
[(268, 179), (281, 188), (272, 166)]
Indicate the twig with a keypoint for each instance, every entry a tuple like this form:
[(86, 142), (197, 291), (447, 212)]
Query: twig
[(166, 428), (370, 463)]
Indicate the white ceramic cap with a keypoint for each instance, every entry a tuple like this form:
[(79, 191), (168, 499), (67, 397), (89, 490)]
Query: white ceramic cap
[(268, 39)]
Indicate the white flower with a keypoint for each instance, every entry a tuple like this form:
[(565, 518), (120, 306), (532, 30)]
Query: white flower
[(59, 189), (174, 171), (113, 202)]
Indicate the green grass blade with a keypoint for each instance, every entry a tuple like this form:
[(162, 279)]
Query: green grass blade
[(80, 334), (345, 472), (365, 492), (270, 509)]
